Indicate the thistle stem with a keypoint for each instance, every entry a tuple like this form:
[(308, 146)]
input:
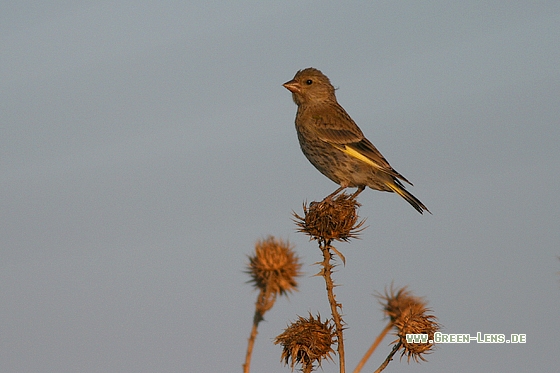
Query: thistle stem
[(389, 358), (326, 273), (260, 308), (373, 347)]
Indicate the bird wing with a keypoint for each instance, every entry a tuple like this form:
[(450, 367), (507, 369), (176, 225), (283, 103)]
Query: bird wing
[(339, 130)]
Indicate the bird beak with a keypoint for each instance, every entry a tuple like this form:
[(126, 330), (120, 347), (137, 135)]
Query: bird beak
[(292, 86)]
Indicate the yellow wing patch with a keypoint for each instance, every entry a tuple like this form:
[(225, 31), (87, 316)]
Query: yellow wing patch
[(356, 154)]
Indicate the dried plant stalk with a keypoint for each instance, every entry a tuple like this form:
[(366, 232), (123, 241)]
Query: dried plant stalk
[(334, 218), (336, 308), (273, 269), (373, 347), (389, 358)]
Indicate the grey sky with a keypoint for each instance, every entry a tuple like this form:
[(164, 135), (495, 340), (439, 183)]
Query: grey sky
[(146, 146)]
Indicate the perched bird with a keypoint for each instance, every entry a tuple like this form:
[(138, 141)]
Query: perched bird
[(334, 143)]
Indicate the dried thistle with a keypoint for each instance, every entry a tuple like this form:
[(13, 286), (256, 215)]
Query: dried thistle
[(306, 342), (415, 320), (274, 267), (408, 315), (334, 218), (273, 270), (394, 302)]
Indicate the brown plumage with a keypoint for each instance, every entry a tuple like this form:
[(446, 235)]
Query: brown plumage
[(335, 145)]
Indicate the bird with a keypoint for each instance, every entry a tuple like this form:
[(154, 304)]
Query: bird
[(334, 143)]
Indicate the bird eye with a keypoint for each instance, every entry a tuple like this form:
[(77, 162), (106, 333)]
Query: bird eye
[(309, 82)]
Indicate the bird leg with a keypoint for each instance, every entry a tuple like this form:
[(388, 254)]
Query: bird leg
[(357, 192), (338, 190)]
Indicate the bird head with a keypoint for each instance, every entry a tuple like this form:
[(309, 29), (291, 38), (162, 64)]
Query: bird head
[(310, 86)]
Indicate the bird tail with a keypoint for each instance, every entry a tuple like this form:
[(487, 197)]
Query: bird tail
[(401, 191)]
